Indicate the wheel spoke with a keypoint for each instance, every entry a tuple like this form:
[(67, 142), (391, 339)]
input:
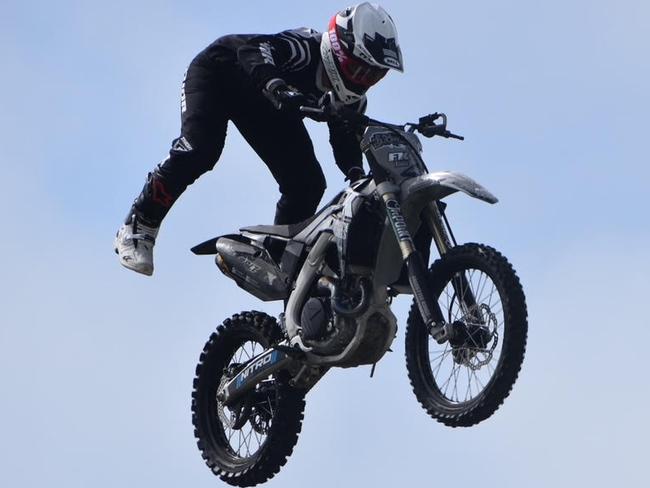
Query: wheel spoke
[(478, 381), (490, 297), (268, 400), (479, 293), (455, 391), (490, 368), (247, 442), (446, 384), (468, 393), (447, 351), (479, 286), (440, 355)]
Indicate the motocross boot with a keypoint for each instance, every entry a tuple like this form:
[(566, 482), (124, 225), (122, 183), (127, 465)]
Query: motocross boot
[(134, 245), (136, 237)]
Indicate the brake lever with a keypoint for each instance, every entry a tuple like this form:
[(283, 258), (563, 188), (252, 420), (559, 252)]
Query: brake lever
[(454, 136), (440, 130)]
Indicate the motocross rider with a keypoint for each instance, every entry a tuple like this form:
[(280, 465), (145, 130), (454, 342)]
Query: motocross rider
[(259, 82)]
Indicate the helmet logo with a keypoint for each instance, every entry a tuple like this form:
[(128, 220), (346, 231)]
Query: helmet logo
[(336, 46), (392, 62)]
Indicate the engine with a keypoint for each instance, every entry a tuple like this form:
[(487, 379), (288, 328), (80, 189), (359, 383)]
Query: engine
[(351, 322)]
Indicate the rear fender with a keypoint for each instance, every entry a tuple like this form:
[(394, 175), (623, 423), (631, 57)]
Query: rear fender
[(210, 246), (207, 247)]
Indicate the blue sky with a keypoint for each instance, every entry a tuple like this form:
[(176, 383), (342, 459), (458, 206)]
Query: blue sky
[(96, 363)]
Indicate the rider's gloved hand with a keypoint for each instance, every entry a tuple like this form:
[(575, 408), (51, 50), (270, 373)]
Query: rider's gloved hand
[(355, 173), (283, 96)]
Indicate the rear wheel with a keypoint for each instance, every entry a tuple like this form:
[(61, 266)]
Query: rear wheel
[(465, 380), (244, 444)]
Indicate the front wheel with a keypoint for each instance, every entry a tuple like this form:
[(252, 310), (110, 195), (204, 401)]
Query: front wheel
[(247, 443), (465, 380)]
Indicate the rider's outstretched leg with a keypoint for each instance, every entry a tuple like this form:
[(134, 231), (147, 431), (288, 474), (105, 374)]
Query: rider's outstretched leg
[(204, 117)]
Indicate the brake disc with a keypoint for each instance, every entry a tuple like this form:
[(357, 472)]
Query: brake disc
[(467, 356)]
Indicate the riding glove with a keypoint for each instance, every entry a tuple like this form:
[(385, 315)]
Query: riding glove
[(284, 96)]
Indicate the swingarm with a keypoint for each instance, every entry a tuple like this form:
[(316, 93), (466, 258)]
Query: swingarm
[(280, 357)]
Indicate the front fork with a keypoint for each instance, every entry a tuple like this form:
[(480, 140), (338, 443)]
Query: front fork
[(434, 219), (433, 216), (417, 271)]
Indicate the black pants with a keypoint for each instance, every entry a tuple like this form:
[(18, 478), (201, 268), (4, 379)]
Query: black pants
[(213, 94)]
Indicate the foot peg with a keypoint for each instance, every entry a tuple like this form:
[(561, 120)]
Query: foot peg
[(297, 343)]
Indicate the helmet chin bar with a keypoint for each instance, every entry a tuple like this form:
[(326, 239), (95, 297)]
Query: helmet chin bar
[(346, 95)]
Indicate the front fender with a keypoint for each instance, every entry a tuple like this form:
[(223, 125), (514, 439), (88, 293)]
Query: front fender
[(434, 186)]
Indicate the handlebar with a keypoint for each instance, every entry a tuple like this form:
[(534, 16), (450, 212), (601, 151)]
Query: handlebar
[(426, 125), (329, 112)]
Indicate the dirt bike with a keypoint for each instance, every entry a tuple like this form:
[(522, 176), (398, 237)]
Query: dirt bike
[(337, 273)]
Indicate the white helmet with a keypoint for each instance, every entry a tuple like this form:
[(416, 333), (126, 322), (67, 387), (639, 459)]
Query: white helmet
[(358, 49)]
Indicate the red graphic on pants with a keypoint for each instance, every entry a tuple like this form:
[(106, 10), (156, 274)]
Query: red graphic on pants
[(160, 195)]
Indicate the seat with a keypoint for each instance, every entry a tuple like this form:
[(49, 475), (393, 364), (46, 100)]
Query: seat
[(291, 230), (285, 231)]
